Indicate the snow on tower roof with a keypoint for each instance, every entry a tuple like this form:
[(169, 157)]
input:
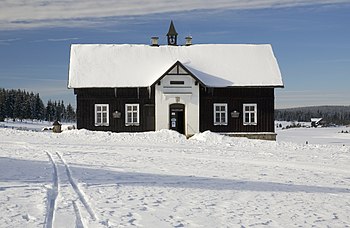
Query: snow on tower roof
[(216, 65)]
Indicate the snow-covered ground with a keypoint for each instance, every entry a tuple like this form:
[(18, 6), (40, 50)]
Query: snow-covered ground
[(310, 135), (81, 178), (30, 125), (33, 125)]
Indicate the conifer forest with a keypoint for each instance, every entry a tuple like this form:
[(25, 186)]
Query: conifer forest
[(20, 104)]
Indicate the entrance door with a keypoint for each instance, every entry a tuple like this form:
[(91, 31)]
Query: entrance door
[(148, 111), (177, 118)]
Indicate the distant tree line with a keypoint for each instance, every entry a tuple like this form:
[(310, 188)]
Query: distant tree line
[(20, 104), (339, 115)]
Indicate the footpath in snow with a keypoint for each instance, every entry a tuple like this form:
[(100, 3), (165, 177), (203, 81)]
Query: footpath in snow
[(81, 178)]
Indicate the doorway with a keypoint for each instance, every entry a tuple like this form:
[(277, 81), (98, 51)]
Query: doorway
[(148, 113), (177, 118)]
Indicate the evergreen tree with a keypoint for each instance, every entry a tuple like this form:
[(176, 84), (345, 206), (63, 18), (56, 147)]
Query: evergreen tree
[(18, 105), (70, 116), (50, 113), (39, 107), (2, 104), (9, 103)]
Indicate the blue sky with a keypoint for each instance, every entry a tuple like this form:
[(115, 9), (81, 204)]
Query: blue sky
[(311, 39)]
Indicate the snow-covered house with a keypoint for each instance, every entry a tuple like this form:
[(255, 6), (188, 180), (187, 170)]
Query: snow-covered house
[(227, 88), (315, 122)]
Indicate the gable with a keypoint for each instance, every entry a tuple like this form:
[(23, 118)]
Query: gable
[(214, 65), (178, 69)]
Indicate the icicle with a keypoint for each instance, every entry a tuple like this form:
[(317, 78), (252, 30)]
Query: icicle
[(149, 89)]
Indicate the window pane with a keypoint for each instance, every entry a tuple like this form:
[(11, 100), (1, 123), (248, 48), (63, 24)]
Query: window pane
[(98, 108), (223, 108), (104, 108), (246, 118), (252, 118), (134, 108), (135, 119), (217, 108), (223, 118), (129, 118), (128, 108), (217, 117), (98, 119)]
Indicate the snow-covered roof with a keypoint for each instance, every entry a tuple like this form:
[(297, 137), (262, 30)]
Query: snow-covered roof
[(216, 65), (316, 120)]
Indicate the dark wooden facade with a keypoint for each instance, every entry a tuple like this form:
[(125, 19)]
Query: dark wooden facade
[(116, 98), (235, 98)]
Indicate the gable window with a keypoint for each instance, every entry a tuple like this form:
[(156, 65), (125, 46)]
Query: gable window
[(101, 115), (220, 114), (177, 82), (250, 114), (132, 115)]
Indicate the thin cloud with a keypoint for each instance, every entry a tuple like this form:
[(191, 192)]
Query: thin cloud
[(8, 41), (57, 39), (19, 14), (62, 39)]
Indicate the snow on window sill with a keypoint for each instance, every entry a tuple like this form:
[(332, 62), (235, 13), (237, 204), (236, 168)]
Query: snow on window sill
[(218, 124), (132, 124), (248, 124), (101, 125)]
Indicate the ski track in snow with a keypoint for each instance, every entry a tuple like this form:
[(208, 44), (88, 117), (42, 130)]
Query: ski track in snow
[(79, 192), (52, 195), (79, 221)]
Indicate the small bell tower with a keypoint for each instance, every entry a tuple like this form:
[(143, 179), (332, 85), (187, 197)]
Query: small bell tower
[(172, 35)]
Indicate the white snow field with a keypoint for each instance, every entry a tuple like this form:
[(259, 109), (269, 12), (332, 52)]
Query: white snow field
[(320, 135), (81, 178)]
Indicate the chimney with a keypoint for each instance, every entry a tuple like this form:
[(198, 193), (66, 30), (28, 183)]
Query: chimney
[(188, 40), (154, 41)]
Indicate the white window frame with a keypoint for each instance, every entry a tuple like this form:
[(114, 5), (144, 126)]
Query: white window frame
[(133, 112), (225, 122), (100, 121), (250, 113)]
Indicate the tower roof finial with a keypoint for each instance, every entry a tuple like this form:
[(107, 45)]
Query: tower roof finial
[(172, 31)]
